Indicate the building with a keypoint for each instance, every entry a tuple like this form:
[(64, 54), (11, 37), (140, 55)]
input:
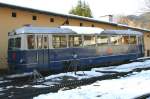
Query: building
[(13, 17)]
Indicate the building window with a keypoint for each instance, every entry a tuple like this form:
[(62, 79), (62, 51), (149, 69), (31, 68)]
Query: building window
[(81, 24), (93, 25), (14, 14), (51, 19), (67, 22), (34, 17)]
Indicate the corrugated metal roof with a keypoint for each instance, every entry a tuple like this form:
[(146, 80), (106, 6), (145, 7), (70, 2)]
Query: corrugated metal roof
[(73, 30), (84, 30), (59, 30), (122, 32), (43, 30)]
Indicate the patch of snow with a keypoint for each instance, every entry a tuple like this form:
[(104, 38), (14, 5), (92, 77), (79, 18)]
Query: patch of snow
[(40, 86), (1, 89), (125, 67), (9, 87), (56, 79), (20, 75), (4, 81), (80, 75), (124, 88), (22, 86)]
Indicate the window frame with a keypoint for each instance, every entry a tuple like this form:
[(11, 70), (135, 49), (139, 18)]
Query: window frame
[(100, 44), (80, 41), (35, 43), (52, 19), (34, 17), (91, 35), (14, 14), (14, 44), (60, 43)]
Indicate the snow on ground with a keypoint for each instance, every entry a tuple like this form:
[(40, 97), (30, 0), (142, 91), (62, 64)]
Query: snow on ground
[(125, 67), (124, 88), (94, 73), (57, 78), (19, 75), (79, 74)]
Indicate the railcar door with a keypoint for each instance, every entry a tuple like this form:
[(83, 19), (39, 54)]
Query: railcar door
[(45, 49), (42, 49)]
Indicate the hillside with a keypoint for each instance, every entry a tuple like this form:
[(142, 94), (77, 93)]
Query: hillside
[(142, 20)]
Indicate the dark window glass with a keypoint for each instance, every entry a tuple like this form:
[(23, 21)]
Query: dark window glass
[(34, 17), (81, 24), (18, 42), (93, 25), (51, 19), (67, 22), (14, 43), (14, 14), (11, 43)]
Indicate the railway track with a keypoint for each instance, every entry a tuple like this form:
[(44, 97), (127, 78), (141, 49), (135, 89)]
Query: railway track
[(30, 92), (15, 92)]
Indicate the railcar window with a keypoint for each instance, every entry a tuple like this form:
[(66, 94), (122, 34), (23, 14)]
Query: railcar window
[(11, 43), (116, 40), (102, 40), (75, 40), (125, 39), (31, 41), (140, 40), (18, 42), (89, 40), (133, 40), (39, 41), (14, 43), (59, 41), (45, 42)]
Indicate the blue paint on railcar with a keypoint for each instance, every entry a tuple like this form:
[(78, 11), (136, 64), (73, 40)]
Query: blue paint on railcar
[(55, 59)]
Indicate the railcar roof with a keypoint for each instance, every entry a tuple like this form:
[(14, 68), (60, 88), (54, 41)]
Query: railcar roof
[(59, 30), (84, 30), (121, 32), (73, 30), (41, 30)]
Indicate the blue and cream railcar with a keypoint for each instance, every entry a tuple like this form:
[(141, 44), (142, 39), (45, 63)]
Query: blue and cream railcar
[(53, 49)]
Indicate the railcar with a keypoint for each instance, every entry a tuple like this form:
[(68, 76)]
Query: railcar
[(58, 49)]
